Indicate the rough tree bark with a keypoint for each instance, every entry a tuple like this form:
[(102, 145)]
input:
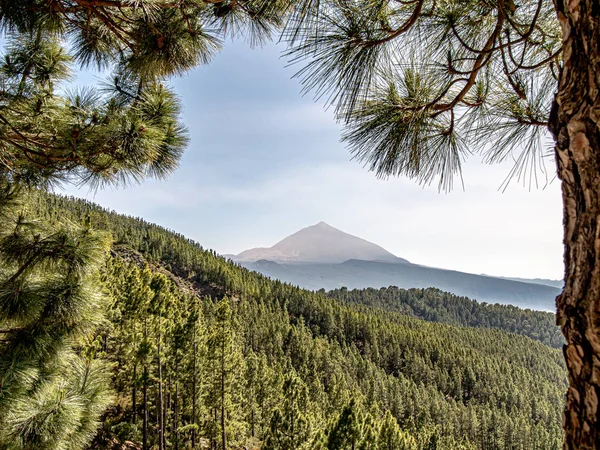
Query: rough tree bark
[(575, 122)]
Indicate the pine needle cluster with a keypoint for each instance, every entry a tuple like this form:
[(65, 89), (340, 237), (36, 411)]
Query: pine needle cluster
[(420, 85), (52, 388)]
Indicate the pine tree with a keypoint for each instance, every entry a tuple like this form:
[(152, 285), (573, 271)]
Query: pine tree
[(225, 369), (159, 301), (345, 432), (392, 438), (51, 392), (290, 428), (368, 440), (127, 130), (196, 332), (52, 389)]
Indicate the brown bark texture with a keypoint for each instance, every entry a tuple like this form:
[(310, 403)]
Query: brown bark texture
[(574, 122)]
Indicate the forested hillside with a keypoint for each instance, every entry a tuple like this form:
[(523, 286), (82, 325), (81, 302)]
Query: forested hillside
[(206, 354), (435, 305)]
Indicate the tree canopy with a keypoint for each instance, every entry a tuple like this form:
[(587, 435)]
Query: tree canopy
[(419, 85), (128, 128)]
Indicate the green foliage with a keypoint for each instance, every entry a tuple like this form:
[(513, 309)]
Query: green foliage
[(224, 369), (52, 389), (434, 305), (289, 427), (420, 85), (129, 130), (345, 432), (129, 127), (392, 438), (299, 357)]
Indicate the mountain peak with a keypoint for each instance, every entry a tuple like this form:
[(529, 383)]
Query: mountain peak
[(320, 226), (320, 243)]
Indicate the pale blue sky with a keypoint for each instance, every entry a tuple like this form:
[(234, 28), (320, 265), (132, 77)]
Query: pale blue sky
[(264, 162)]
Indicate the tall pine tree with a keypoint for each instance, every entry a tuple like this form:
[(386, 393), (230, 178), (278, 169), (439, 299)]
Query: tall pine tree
[(224, 376), (290, 427), (50, 297)]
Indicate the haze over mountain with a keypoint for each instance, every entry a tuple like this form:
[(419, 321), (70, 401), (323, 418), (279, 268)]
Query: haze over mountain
[(546, 282), (323, 257), (320, 243)]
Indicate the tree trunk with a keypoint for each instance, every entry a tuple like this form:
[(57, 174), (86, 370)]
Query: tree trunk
[(169, 399), (213, 434), (145, 394), (145, 401), (167, 409), (194, 389), (252, 420), (223, 431), (134, 396), (157, 427), (574, 122), (176, 405), (161, 425)]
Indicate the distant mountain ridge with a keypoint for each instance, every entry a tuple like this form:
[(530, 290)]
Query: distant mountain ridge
[(320, 243), (544, 281), (323, 257), (355, 274)]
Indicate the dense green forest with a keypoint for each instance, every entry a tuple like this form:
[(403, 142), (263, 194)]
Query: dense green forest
[(116, 333), (437, 306), (205, 354)]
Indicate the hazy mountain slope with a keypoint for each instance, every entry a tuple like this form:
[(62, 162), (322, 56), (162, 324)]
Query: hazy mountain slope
[(554, 283), (323, 257), (320, 243), (356, 274)]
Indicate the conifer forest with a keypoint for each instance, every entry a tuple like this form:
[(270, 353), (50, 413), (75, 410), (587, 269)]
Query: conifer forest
[(189, 350), (116, 333)]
